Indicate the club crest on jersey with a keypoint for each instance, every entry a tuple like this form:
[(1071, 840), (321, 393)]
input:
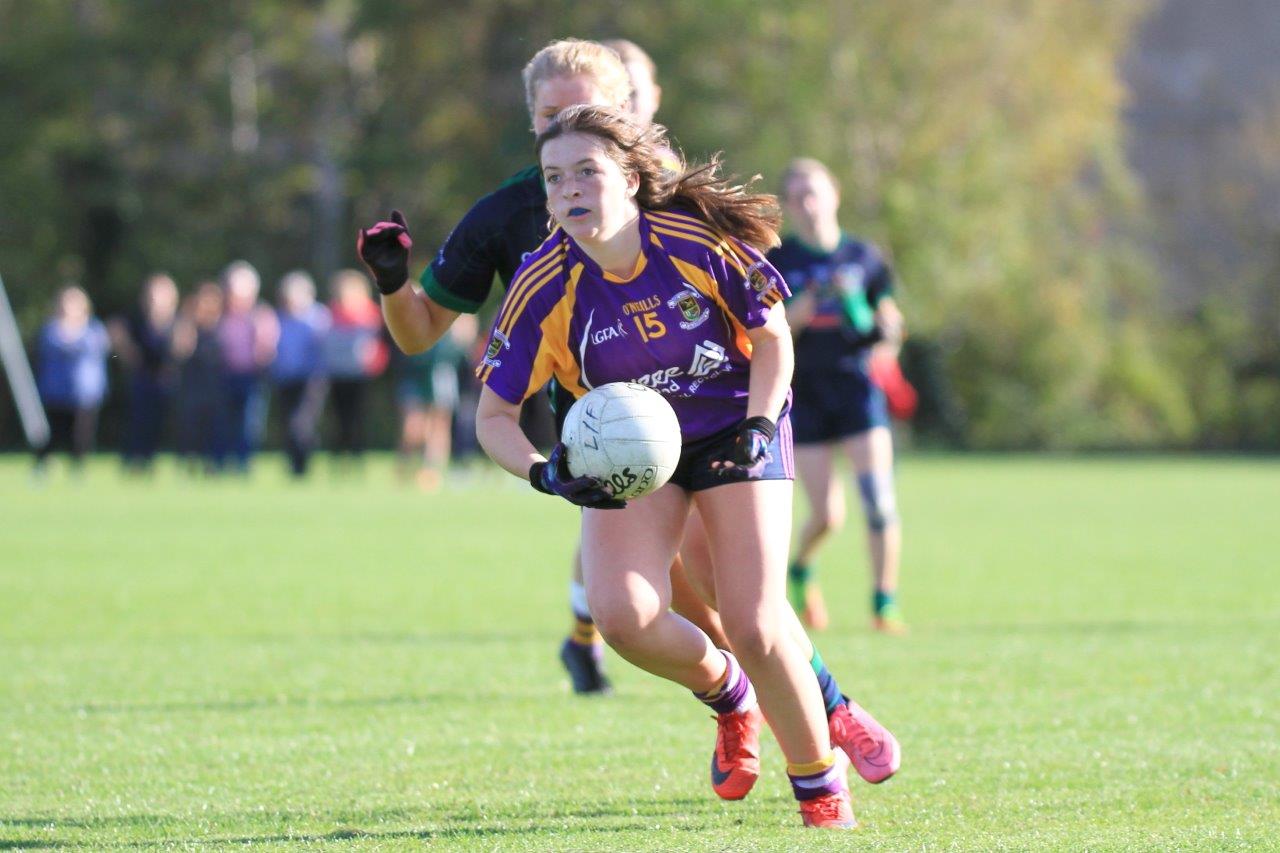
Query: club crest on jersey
[(761, 282), (497, 344), (688, 303)]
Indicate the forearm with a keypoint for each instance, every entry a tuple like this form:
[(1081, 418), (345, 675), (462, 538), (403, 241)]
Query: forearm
[(498, 431), (772, 362), (416, 322), (890, 323)]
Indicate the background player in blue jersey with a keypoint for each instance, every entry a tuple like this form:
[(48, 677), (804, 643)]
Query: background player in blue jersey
[(841, 308), (629, 245)]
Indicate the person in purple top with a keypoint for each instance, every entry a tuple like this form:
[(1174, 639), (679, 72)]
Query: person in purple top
[(658, 277), (247, 337), (71, 375), (298, 372)]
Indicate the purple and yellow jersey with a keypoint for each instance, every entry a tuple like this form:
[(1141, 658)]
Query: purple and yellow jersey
[(677, 324)]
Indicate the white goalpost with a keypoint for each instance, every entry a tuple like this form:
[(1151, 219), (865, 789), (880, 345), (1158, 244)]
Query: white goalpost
[(18, 369)]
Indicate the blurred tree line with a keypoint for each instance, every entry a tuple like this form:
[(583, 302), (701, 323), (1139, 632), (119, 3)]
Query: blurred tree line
[(980, 143)]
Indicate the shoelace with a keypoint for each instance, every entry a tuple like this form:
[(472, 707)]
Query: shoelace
[(865, 741), (734, 729), (826, 807)]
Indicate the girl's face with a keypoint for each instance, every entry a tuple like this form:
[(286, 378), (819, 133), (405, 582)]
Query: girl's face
[(587, 192), (646, 94), (73, 307), (812, 199), (554, 94)]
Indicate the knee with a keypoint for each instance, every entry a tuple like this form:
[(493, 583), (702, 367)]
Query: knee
[(827, 522), (879, 503), (622, 623), (754, 640)]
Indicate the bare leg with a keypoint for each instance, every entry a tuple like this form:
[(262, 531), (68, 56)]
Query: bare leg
[(626, 565), (695, 551), (437, 443), (686, 601), (748, 529), (815, 464), (412, 435), (871, 452)]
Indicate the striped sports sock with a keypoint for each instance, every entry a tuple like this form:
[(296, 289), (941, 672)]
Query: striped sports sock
[(798, 576), (809, 781), (734, 693), (831, 697), (584, 631)]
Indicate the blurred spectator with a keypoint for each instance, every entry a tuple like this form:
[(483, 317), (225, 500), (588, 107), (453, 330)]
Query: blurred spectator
[(428, 394), (247, 333), (354, 353), (202, 410), (298, 370), (144, 341), (72, 363)]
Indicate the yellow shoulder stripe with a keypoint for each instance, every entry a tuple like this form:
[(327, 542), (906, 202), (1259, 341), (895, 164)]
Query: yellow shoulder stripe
[(680, 220), (522, 281), (522, 300), (720, 249), (675, 220)]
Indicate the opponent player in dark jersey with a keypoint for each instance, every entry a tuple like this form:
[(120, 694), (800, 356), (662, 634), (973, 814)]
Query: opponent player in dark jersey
[(842, 308), (711, 336), (493, 238)]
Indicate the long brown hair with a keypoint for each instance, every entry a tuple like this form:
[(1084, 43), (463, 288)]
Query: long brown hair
[(753, 218)]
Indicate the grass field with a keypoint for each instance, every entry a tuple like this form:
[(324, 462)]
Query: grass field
[(348, 664)]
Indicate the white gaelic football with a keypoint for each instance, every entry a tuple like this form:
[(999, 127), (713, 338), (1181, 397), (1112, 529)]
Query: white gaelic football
[(624, 433)]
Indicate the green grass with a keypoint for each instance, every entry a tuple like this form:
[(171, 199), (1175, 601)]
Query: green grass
[(348, 664)]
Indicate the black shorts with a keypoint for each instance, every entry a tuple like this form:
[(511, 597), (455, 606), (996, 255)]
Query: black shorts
[(694, 472), (838, 404)]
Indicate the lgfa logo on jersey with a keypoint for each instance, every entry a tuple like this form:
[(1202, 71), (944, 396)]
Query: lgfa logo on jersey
[(497, 344), (608, 333), (688, 303)]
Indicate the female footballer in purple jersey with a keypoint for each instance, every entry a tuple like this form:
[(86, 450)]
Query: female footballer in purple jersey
[(491, 240), (671, 266)]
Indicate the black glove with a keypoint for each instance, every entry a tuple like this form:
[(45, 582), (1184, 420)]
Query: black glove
[(384, 248), (750, 445), (553, 478)]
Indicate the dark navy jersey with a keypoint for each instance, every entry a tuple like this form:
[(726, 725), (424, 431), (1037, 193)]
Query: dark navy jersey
[(847, 285), (495, 236)]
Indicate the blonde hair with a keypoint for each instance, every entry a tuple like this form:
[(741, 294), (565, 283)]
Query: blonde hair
[(804, 166), (573, 57), (629, 52), (731, 208)]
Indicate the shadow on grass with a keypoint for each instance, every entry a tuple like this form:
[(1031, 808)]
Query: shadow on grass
[(697, 813)]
